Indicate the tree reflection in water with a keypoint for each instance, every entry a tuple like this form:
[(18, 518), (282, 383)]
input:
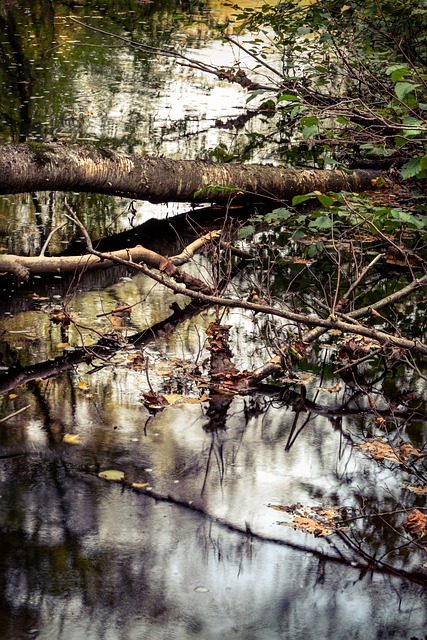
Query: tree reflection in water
[(201, 554)]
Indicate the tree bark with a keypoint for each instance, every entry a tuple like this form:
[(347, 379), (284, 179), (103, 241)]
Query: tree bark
[(60, 167)]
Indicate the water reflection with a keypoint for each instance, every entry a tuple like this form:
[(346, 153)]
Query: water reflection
[(65, 81), (84, 556)]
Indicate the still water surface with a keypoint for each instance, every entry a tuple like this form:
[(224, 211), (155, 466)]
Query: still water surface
[(189, 546)]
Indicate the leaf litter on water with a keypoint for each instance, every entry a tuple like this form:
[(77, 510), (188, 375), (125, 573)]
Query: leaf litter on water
[(318, 521)]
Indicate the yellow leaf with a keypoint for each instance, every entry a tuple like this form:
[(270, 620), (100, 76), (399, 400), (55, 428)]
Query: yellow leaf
[(82, 385), (139, 485), (112, 474), (176, 398), (12, 396), (333, 389), (71, 438), (172, 398)]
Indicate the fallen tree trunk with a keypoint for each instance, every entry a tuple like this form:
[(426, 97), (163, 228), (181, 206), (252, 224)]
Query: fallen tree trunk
[(60, 167)]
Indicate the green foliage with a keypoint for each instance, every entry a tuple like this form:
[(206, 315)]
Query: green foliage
[(339, 211), (354, 73)]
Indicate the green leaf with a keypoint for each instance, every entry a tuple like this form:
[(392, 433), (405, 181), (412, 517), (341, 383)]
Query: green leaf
[(289, 97), (407, 218), (414, 167), (327, 201), (402, 89), (254, 94), (299, 108), (298, 234), (282, 213), (310, 132), (397, 71), (309, 121), (342, 120), (298, 199), (323, 222), (244, 232)]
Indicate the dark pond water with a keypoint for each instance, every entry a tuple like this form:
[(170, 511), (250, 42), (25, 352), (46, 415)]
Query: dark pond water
[(188, 544)]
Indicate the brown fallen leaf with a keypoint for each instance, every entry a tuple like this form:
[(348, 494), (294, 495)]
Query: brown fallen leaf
[(416, 488), (383, 451), (416, 523), (319, 521), (378, 451)]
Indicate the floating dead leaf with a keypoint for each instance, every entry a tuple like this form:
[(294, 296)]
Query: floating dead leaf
[(319, 521), (299, 260), (333, 389), (139, 485), (406, 450), (298, 378), (416, 523), (112, 474), (311, 526), (71, 438), (63, 345), (82, 385), (12, 396), (378, 450), (383, 451), (59, 317), (416, 488), (154, 400), (371, 402)]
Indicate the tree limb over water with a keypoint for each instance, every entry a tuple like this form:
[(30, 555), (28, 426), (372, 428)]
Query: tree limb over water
[(60, 167)]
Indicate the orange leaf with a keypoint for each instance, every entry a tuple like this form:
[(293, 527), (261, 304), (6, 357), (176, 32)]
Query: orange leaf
[(416, 523)]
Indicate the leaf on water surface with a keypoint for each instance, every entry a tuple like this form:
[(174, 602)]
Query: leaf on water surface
[(406, 449), (139, 485), (112, 474), (82, 385), (416, 523), (308, 525), (154, 400), (383, 451), (12, 396), (299, 378), (333, 389), (71, 438), (416, 488), (63, 345), (319, 521), (176, 398), (59, 317)]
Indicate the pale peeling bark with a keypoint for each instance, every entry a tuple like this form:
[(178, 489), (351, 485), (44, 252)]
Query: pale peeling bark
[(61, 167), (22, 266)]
